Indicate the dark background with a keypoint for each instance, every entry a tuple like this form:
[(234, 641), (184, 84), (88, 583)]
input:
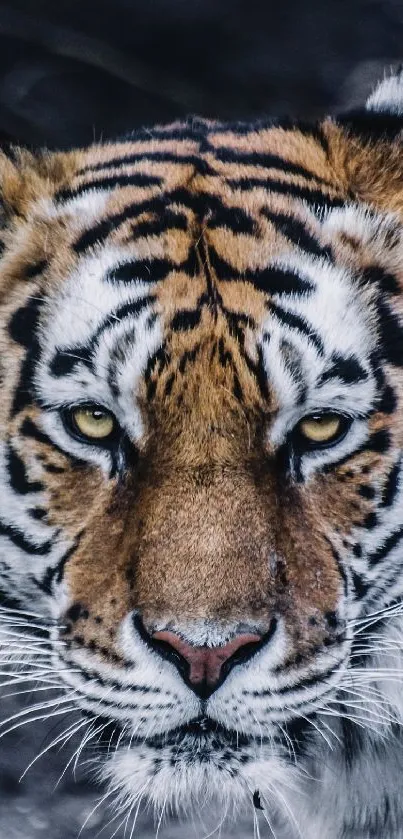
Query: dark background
[(72, 72), (75, 70)]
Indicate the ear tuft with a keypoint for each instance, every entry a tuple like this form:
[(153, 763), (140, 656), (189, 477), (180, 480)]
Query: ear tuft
[(387, 97)]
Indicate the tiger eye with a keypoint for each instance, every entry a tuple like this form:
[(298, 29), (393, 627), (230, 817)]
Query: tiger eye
[(93, 422), (322, 428)]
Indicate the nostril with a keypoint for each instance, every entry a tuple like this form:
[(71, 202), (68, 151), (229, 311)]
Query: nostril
[(204, 668)]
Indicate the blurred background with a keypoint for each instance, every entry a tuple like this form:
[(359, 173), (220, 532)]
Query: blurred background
[(74, 71)]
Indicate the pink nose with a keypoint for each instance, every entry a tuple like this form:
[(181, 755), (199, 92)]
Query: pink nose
[(206, 663)]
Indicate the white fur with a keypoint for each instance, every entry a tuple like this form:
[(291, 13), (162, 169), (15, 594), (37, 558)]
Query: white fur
[(317, 796), (388, 96)]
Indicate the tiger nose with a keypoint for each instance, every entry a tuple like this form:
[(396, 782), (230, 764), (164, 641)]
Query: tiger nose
[(205, 668)]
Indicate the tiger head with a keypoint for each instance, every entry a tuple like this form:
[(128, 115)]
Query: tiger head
[(201, 371)]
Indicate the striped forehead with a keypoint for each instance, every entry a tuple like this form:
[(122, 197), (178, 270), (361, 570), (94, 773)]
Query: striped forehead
[(204, 220), (303, 316)]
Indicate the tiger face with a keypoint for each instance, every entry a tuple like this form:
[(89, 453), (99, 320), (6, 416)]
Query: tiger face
[(201, 375)]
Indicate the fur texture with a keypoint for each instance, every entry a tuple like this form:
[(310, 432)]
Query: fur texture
[(211, 285)]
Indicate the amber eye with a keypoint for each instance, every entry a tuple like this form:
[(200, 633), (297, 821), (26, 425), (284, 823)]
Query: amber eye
[(322, 429), (92, 422)]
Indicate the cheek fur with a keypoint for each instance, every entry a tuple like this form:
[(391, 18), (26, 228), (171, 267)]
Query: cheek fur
[(198, 303)]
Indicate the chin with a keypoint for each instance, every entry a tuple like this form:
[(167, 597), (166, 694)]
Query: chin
[(200, 769)]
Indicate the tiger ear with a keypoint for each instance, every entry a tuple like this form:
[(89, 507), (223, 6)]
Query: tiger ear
[(368, 147), (382, 115), (387, 98)]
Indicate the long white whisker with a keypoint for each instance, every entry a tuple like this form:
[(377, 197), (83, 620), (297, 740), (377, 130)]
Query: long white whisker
[(62, 738), (41, 706), (48, 686), (98, 804), (21, 723), (9, 611)]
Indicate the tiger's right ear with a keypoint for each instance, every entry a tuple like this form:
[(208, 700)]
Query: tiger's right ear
[(382, 115), (366, 147), (387, 97)]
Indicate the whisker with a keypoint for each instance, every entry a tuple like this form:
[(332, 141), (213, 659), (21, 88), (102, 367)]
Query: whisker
[(48, 686), (21, 723), (42, 706), (64, 737), (98, 804), (8, 611)]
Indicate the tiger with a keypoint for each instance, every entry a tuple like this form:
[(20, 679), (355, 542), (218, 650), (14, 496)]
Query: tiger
[(201, 506)]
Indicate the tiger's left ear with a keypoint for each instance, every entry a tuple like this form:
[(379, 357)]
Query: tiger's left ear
[(366, 147), (387, 98), (382, 115)]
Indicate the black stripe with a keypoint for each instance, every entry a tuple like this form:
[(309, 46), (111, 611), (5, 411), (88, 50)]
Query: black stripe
[(126, 310), (312, 680), (340, 566), (34, 269), (29, 429), (258, 370), (304, 683), (378, 442), (104, 681), (391, 334), (185, 319), (19, 539), (19, 480), (391, 487), (387, 400), (296, 232), (23, 329), (346, 368), (280, 281), (312, 196), (313, 130), (24, 322), (296, 322), (137, 157), (137, 179), (97, 234), (144, 270), (199, 203), (188, 357), (268, 161), (272, 280), (169, 220), (56, 573), (360, 585), (386, 281), (234, 218), (390, 543), (53, 469), (67, 360), (38, 513), (156, 363)]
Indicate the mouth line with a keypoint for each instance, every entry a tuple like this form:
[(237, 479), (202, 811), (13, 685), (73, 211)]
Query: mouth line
[(198, 733), (201, 734)]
